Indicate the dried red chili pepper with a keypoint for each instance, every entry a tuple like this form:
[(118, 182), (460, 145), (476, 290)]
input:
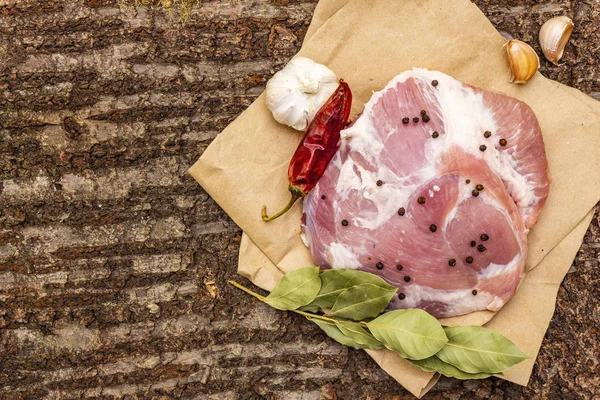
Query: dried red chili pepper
[(318, 147)]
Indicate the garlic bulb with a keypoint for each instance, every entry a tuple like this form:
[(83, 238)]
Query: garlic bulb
[(297, 92), (554, 35), (524, 63)]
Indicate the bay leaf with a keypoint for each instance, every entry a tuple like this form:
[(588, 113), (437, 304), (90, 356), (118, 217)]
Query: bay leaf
[(335, 281), (365, 300), (296, 289), (309, 308), (476, 349), (334, 332), (359, 334), (434, 364), (412, 333)]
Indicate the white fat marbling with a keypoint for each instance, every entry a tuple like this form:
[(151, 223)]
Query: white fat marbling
[(458, 301), (306, 238), (493, 270), (516, 184), (341, 256), (465, 118), (495, 304)]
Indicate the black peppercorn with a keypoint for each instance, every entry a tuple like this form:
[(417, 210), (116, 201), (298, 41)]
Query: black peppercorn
[(502, 142), (401, 211), (479, 187), (344, 222), (473, 243), (468, 181), (484, 237), (481, 248), (379, 182), (435, 134), (405, 120), (483, 147), (487, 134), (323, 197), (421, 200), (407, 279), (423, 112), (416, 119), (474, 292), (475, 192), (469, 260), (426, 118), (452, 262), (434, 82), (401, 296), (379, 265), (432, 228), (399, 267)]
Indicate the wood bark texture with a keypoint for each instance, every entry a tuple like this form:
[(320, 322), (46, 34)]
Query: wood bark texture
[(114, 262)]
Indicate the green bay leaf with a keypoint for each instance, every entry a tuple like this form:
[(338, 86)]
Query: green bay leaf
[(309, 308), (296, 289), (477, 349), (360, 335), (334, 332), (434, 364), (362, 301), (335, 281), (412, 333)]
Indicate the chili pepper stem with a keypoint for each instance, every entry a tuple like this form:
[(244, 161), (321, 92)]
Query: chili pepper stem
[(305, 314), (296, 194)]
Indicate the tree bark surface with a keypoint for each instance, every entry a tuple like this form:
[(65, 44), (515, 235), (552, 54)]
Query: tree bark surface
[(114, 262)]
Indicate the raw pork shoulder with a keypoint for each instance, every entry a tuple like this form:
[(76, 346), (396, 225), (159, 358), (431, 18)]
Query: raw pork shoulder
[(421, 194)]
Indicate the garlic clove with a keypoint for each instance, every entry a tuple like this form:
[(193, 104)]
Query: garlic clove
[(297, 92), (523, 60), (554, 35)]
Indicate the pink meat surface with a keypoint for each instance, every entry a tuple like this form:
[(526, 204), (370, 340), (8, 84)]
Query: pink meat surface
[(456, 252)]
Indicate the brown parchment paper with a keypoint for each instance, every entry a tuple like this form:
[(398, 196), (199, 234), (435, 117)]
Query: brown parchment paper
[(368, 42), (325, 9)]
